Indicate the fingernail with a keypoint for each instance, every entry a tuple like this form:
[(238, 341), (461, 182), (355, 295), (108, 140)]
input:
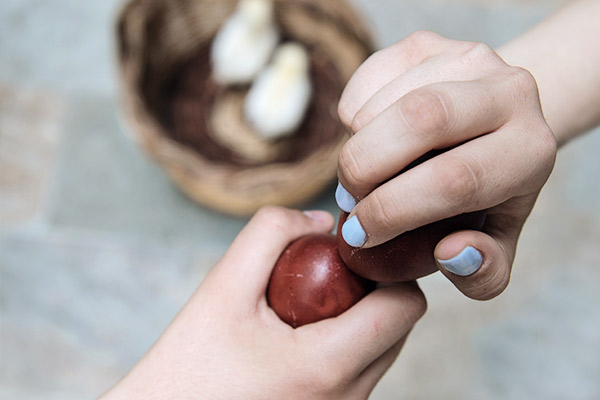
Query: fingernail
[(465, 263), (317, 215), (344, 200), (353, 233)]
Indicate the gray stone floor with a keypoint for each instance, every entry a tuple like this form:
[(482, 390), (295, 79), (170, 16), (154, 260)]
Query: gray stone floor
[(98, 251)]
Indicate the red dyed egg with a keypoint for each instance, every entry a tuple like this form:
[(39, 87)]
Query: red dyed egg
[(310, 282), (408, 256)]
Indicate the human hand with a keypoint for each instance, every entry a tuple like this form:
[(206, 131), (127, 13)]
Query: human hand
[(428, 93), (226, 343)]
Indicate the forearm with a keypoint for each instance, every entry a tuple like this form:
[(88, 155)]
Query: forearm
[(563, 54)]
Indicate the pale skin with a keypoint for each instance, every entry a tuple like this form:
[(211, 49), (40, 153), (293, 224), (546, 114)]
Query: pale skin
[(428, 92), (226, 343)]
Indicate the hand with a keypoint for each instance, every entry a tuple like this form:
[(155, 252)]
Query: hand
[(226, 343), (427, 92)]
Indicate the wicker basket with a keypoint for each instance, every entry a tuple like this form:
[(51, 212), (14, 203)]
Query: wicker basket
[(194, 128)]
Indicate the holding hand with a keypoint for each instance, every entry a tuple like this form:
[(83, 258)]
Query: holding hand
[(430, 93), (227, 343)]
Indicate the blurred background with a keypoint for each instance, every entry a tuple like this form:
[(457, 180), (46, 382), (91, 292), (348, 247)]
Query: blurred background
[(98, 250)]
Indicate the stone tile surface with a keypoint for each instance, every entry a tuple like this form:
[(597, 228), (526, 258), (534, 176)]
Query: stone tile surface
[(98, 251), (104, 182), (30, 132), (80, 307), (494, 22), (64, 46)]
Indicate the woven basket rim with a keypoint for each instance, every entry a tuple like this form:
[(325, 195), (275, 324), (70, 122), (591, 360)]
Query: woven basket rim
[(213, 183)]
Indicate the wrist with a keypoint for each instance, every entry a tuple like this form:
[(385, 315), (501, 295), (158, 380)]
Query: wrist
[(561, 54)]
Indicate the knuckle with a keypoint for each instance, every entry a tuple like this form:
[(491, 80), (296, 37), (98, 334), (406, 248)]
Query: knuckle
[(418, 303), (480, 50), (480, 55), (344, 114), (377, 57), (419, 45), (458, 182), (420, 37), (421, 303), (362, 118), (548, 147), (548, 141), (271, 215), (349, 166), (425, 111), (378, 209), (524, 82)]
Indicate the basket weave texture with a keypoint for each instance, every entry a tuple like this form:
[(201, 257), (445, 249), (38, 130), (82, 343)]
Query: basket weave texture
[(195, 128)]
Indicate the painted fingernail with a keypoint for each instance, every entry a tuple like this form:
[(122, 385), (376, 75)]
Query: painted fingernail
[(465, 263), (344, 199), (353, 233), (317, 215)]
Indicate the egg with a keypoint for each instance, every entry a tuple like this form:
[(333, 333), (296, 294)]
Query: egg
[(310, 282), (408, 256)]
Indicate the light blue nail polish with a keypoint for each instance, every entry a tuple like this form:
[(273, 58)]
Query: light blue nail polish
[(344, 199), (465, 263), (353, 233)]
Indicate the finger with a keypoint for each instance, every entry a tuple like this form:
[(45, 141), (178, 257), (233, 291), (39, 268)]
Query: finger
[(479, 264), (476, 175), (370, 327), (252, 255), (384, 66), (437, 116), (464, 61), (369, 378)]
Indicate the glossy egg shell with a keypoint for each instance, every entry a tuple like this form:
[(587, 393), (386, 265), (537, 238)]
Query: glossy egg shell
[(310, 282), (408, 256)]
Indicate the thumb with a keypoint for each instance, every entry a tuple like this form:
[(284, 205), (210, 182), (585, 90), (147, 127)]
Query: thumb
[(479, 264)]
